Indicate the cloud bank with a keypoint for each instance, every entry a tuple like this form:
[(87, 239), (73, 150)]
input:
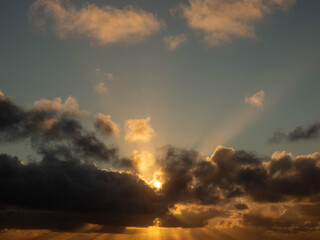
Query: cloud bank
[(66, 191)]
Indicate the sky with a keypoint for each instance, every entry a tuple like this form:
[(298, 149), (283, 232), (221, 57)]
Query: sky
[(142, 119)]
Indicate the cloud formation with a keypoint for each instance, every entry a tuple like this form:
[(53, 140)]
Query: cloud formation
[(221, 21), (66, 191), (102, 25), (139, 130), (104, 124), (174, 41), (70, 106), (312, 132), (100, 88), (49, 129), (256, 99)]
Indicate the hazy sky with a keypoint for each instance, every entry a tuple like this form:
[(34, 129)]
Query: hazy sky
[(141, 75)]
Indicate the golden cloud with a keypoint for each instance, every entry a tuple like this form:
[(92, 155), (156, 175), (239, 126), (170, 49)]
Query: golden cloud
[(172, 42), (220, 21), (139, 130), (100, 88), (102, 25), (256, 99), (70, 106)]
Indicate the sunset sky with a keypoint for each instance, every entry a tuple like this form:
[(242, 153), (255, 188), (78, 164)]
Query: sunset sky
[(185, 119)]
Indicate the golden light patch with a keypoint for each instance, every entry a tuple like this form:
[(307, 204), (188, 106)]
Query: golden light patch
[(157, 184)]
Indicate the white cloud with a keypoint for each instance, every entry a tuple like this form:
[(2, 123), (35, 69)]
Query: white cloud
[(104, 124), (222, 20), (70, 106), (172, 42), (256, 99), (100, 88), (139, 130), (102, 25)]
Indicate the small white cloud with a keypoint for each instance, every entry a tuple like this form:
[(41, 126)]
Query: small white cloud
[(256, 99), (139, 130), (100, 88), (172, 42), (104, 124)]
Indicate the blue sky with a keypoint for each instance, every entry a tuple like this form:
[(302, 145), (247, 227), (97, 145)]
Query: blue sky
[(194, 95)]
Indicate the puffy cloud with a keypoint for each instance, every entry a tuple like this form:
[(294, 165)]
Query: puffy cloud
[(312, 132), (64, 190), (100, 88), (48, 128), (139, 130), (104, 124), (172, 42), (220, 21), (102, 25), (256, 99), (70, 106)]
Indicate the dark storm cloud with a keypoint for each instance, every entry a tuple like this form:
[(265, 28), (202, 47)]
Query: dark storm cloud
[(231, 173), (46, 128), (64, 195), (64, 190), (299, 133), (177, 168)]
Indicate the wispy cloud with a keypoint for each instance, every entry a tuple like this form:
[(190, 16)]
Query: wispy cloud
[(139, 130), (100, 88), (102, 25), (256, 99), (311, 132), (221, 21), (174, 41)]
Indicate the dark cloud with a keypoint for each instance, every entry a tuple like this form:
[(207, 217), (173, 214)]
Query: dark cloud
[(46, 128), (241, 206), (64, 195), (64, 190), (299, 133), (231, 173)]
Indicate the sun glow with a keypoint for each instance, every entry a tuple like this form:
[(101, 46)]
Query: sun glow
[(157, 184)]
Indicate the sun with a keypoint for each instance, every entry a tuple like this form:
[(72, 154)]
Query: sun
[(157, 184)]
